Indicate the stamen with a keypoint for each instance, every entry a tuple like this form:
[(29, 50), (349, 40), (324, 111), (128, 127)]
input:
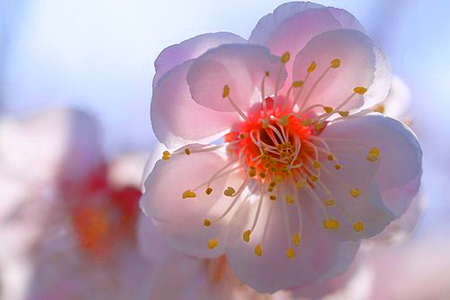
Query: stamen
[(229, 191), (166, 155), (226, 94), (258, 250), (207, 222), (332, 224), (213, 243), (355, 193), (189, 194), (358, 226), (290, 253)]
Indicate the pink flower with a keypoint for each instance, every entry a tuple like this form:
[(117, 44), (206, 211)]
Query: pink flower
[(67, 219), (295, 172)]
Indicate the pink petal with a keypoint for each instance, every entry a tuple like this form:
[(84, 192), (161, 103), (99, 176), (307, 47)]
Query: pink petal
[(177, 54), (317, 256), (356, 173), (242, 68), (268, 24), (53, 144), (177, 119), (181, 220), (402, 228), (362, 65), (292, 25), (400, 163)]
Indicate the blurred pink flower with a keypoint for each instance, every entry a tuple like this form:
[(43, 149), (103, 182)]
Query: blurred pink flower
[(37, 150), (308, 172), (68, 220)]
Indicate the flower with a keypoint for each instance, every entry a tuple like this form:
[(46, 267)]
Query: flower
[(67, 218), (295, 171)]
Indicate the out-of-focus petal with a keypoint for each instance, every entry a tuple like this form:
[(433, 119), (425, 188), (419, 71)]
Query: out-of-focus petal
[(362, 65), (52, 144), (240, 67), (397, 101), (354, 284), (176, 55), (400, 229), (400, 162), (177, 119), (316, 257), (182, 219)]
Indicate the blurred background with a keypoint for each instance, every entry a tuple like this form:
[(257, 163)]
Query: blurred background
[(97, 56)]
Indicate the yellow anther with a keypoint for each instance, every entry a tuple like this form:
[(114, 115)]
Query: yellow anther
[(338, 166), (207, 222), (330, 157), (242, 136), (371, 157), (344, 113), (166, 155), (300, 184), (273, 197), (272, 184), (187, 151), (265, 123), (358, 226), (258, 250), (208, 191), (312, 67), (319, 125), (313, 178), (226, 91), (375, 151), (296, 239), (317, 164), (270, 189), (213, 243), (285, 57), (189, 194), (290, 253), (380, 109), (298, 83), (332, 224), (355, 193), (329, 202), (289, 199), (360, 90), (328, 109), (252, 173), (246, 235), (284, 168), (262, 175), (229, 191), (284, 120), (306, 122), (335, 63)]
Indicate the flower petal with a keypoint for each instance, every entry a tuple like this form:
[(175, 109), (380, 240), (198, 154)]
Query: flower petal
[(400, 163), (357, 210), (177, 119), (362, 65), (293, 24), (316, 257), (242, 68), (177, 54), (59, 143), (181, 220)]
